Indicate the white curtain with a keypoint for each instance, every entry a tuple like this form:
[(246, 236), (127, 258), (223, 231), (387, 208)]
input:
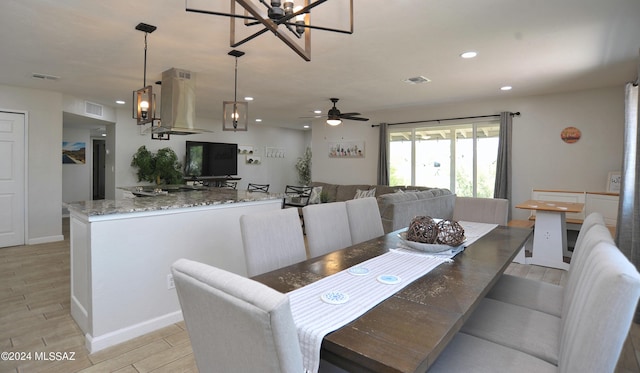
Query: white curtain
[(628, 225)]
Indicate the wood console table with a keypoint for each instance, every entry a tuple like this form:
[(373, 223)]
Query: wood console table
[(550, 231)]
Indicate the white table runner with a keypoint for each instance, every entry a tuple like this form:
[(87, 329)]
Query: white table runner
[(316, 318)]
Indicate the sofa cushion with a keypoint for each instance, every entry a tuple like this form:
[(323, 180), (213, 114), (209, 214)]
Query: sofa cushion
[(347, 192), (364, 193), (329, 190)]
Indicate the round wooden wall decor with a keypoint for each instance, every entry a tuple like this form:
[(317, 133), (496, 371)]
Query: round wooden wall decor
[(570, 135)]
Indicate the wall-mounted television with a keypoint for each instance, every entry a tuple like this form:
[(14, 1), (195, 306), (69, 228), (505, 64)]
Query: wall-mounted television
[(206, 159)]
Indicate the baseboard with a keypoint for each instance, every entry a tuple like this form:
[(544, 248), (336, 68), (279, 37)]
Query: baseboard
[(47, 239), (97, 343)]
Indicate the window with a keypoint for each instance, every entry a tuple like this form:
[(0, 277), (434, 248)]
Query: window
[(459, 157)]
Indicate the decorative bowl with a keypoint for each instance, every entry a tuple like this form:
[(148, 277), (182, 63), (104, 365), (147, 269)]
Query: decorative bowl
[(426, 247)]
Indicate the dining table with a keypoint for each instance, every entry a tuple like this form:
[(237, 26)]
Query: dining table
[(550, 231), (408, 330)]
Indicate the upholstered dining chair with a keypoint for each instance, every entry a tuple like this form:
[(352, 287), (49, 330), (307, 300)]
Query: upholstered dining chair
[(271, 240), (481, 210), (588, 337), (236, 324), (252, 187), (546, 297), (327, 227), (365, 222)]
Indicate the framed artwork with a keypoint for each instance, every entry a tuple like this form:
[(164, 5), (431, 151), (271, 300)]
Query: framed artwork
[(613, 182), (73, 152), (346, 149)]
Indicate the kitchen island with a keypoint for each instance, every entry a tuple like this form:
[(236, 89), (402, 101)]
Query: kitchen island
[(122, 250)]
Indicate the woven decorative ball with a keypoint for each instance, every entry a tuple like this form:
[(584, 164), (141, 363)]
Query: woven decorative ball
[(422, 229), (450, 233)]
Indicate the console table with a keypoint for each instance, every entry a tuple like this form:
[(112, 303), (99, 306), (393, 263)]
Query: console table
[(550, 231)]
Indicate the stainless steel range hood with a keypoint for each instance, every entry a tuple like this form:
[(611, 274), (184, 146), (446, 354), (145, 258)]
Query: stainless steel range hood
[(178, 103)]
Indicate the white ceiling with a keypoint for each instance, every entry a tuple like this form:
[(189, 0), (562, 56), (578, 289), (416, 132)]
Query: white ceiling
[(538, 47)]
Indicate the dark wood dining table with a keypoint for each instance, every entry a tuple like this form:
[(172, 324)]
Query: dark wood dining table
[(407, 331)]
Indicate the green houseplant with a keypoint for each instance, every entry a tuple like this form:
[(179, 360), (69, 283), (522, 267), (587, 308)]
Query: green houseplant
[(303, 166), (162, 167)]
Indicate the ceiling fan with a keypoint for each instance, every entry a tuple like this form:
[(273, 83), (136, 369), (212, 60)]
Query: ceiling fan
[(334, 117)]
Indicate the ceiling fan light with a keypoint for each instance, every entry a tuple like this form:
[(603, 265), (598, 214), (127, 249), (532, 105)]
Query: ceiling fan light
[(334, 122)]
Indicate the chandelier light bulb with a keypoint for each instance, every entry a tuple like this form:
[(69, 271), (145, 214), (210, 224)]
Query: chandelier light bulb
[(144, 108)]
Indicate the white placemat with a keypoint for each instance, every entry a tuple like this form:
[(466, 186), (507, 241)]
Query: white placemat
[(332, 302)]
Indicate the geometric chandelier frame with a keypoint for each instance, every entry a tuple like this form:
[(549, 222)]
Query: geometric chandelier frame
[(295, 22)]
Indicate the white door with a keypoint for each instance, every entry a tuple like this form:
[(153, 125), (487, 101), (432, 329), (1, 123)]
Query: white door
[(12, 172)]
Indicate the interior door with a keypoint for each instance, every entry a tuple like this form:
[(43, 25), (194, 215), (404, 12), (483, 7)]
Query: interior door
[(12, 185)]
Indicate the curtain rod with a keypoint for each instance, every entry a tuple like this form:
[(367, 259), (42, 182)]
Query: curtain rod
[(517, 113)]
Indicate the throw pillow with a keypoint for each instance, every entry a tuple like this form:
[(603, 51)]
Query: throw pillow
[(365, 193), (315, 195)]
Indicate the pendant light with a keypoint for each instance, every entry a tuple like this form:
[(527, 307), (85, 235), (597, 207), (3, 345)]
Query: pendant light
[(144, 102), (235, 114)]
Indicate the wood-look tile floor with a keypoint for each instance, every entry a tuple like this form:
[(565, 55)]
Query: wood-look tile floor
[(34, 317)]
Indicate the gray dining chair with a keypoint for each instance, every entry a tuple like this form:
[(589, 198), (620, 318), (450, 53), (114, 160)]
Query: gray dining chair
[(502, 337), (236, 324), (271, 240), (481, 210), (327, 227), (546, 297), (365, 222)]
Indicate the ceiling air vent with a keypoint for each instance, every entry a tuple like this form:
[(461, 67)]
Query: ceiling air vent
[(417, 80), (93, 109), (45, 77)]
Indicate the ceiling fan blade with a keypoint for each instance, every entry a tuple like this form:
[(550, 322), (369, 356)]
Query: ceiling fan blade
[(349, 114), (356, 118)]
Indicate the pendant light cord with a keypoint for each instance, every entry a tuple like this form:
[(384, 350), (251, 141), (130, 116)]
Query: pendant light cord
[(144, 79)]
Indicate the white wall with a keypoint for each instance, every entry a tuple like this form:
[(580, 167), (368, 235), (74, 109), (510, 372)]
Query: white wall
[(344, 170), (44, 184), (540, 158)]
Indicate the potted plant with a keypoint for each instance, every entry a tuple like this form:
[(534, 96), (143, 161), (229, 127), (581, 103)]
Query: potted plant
[(160, 168), (303, 166)]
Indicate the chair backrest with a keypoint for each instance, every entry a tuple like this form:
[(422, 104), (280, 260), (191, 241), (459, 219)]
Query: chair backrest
[(229, 184), (235, 324), (599, 317), (592, 219), (365, 222), (264, 188), (595, 234), (272, 239), (481, 210), (296, 196), (327, 227)]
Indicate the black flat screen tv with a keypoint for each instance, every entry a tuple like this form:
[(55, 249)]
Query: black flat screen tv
[(206, 159)]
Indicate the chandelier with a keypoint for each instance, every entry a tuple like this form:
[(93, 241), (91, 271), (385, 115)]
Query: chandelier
[(295, 21)]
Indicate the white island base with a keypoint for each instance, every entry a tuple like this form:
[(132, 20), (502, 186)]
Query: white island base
[(121, 286)]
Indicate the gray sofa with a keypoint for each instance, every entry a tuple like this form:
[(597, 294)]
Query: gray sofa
[(397, 204)]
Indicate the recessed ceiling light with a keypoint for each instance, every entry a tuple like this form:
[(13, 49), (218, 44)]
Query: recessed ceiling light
[(248, 98), (120, 102), (469, 54), (506, 88), (417, 80), (317, 111), (306, 126), (258, 120)]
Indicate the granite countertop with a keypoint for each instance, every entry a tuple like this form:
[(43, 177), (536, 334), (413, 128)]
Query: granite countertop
[(162, 200)]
